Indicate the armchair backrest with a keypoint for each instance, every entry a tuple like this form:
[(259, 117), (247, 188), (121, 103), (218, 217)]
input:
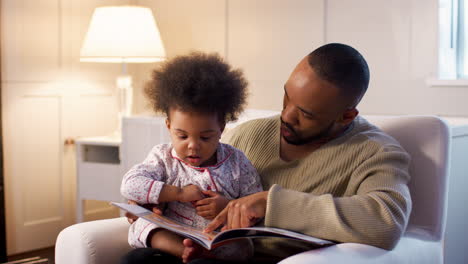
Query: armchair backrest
[(427, 139)]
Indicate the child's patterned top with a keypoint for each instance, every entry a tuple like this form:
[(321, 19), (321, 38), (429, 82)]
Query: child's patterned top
[(233, 177)]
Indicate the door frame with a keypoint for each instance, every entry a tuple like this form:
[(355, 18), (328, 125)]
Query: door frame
[(3, 252)]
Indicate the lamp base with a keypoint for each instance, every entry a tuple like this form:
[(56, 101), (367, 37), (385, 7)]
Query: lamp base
[(125, 98)]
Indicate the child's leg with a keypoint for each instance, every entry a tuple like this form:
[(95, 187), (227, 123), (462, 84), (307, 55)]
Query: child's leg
[(166, 241)]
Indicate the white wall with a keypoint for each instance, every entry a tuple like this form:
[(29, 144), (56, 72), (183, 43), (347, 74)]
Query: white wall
[(184, 25), (399, 41), (267, 38)]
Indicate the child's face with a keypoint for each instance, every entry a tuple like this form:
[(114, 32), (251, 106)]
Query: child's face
[(195, 136)]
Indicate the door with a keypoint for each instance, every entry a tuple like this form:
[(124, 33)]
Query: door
[(48, 96)]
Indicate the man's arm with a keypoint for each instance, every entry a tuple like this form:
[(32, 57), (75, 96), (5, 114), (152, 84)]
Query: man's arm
[(377, 214)]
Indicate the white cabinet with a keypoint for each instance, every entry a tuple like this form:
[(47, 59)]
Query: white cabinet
[(456, 233), (102, 161), (139, 135), (99, 171)]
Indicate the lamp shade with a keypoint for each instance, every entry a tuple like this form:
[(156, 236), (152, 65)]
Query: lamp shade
[(122, 34)]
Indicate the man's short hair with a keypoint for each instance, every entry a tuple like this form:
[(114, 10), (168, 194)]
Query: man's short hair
[(342, 66)]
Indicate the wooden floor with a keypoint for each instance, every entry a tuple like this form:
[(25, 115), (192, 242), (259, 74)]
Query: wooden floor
[(47, 253)]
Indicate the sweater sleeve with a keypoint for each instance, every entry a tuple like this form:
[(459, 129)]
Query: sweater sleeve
[(144, 181), (376, 213)]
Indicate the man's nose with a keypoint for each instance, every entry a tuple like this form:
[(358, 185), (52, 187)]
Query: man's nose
[(289, 115)]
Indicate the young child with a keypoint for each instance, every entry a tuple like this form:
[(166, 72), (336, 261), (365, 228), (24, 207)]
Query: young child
[(195, 175)]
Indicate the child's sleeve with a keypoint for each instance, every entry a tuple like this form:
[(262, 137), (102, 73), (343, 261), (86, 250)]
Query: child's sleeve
[(249, 179), (144, 181)]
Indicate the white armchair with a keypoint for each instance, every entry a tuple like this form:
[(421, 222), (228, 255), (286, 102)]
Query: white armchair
[(426, 138)]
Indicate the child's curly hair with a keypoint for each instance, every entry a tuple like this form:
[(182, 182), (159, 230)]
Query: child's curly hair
[(198, 82)]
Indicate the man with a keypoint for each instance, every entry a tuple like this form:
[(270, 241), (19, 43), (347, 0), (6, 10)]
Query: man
[(327, 172)]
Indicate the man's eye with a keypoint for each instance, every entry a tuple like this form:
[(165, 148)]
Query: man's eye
[(307, 115)]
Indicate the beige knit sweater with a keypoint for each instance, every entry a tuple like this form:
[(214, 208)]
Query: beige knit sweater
[(351, 189)]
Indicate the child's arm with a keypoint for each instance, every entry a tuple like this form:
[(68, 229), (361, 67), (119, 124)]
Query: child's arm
[(210, 207), (188, 193), (167, 193), (144, 183), (249, 182)]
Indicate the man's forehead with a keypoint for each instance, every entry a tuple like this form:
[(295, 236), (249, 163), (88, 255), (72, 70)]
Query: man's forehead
[(310, 93), (301, 74), (304, 64)]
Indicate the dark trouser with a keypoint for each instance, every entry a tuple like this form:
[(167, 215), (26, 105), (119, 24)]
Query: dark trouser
[(149, 256), (155, 256)]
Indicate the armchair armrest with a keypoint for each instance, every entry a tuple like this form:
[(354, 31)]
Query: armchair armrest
[(105, 242), (408, 250), (95, 242)]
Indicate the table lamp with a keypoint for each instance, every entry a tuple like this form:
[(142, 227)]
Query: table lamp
[(123, 34)]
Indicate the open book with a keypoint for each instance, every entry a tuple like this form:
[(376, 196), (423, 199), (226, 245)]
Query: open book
[(214, 239)]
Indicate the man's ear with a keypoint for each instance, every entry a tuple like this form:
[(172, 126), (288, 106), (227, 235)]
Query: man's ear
[(348, 116), (168, 123)]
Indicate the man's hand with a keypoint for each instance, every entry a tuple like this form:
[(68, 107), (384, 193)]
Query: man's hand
[(190, 193), (242, 212), (210, 207), (132, 218)]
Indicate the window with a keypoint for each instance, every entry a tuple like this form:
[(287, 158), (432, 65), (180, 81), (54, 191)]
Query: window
[(453, 40)]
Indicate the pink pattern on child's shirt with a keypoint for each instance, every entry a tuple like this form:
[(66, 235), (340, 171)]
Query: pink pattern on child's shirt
[(233, 177)]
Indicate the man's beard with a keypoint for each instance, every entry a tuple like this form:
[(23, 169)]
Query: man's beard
[(322, 136)]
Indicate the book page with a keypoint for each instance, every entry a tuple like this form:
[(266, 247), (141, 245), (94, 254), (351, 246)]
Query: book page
[(253, 232), (181, 227), (210, 240), (204, 239)]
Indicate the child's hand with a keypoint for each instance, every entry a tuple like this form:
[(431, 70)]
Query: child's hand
[(131, 217), (190, 193), (156, 208), (210, 207)]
